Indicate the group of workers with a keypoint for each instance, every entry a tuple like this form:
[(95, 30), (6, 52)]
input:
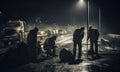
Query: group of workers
[(50, 46)]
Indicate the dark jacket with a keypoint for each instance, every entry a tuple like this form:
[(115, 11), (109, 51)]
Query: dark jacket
[(32, 38), (49, 43), (93, 34), (78, 35)]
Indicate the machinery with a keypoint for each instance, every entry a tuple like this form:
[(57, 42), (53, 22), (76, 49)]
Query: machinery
[(13, 31)]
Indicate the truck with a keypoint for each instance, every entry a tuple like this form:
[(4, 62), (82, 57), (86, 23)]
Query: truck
[(14, 31)]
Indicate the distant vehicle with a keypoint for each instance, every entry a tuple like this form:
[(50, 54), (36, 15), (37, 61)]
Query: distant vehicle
[(59, 32), (42, 34), (14, 31), (62, 32)]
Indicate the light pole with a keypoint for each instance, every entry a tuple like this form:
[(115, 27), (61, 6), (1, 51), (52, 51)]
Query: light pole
[(100, 20), (87, 15), (87, 20), (81, 3)]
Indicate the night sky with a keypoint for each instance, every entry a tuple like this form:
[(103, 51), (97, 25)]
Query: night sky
[(60, 11)]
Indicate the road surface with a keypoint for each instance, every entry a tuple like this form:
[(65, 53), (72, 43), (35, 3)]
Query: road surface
[(108, 62)]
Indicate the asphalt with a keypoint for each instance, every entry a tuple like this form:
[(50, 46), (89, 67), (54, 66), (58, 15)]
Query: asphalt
[(109, 61)]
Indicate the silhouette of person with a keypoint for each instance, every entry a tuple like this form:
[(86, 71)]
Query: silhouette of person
[(32, 41), (77, 40), (49, 46), (66, 56), (93, 35)]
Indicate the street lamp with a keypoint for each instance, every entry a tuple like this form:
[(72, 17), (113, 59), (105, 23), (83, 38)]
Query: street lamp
[(87, 20), (81, 2), (87, 15), (100, 20)]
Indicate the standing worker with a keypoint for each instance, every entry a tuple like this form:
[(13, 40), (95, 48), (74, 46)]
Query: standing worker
[(32, 41), (93, 35), (77, 40)]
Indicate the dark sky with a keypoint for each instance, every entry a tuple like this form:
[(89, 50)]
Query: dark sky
[(58, 10)]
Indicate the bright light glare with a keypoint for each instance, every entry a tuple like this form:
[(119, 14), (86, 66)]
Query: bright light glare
[(81, 4), (82, 1), (42, 32)]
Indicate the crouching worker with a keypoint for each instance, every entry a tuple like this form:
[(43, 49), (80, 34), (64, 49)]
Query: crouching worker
[(66, 56), (50, 46)]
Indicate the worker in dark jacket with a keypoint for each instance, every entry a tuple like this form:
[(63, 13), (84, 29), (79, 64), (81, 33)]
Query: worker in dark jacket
[(93, 35), (50, 46), (32, 41), (77, 40)]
